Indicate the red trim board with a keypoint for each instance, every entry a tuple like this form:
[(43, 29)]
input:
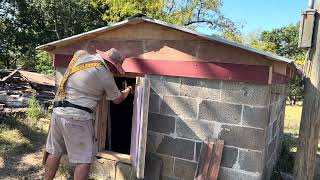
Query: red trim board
[(194, 69), (279, 78)]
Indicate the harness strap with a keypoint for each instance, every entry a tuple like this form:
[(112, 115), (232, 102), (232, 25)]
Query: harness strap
[(71, 70)]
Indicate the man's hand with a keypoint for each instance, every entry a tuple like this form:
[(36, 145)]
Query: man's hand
[(132, 88), (124, 94)]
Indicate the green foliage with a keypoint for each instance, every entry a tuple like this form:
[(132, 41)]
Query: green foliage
[(189, 13), (254, 40), (285, 40), (25, 24), (295, 90), (35, 110), (44, 63), (235, 37)]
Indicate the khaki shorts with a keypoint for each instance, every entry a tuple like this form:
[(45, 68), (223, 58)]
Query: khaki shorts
[(72, 137)]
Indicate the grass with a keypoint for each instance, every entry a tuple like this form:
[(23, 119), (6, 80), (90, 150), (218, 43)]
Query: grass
[(290, 138), (21, 143)]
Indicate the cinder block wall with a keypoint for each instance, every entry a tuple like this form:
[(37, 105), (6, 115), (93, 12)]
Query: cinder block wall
[(185, 111), (274, 127)]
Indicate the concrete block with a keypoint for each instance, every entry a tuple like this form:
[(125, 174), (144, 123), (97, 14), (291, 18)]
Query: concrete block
[(185, 169), (170, 146), (154, 77), (271, 147), (167, 163), (171, 79), (220, 111), (198, 150), (103, 168), (125, 172), (179, 106), (279, 89), (154, 103), (231, 174), (169, 178), (269, 133), (274, 98), (152, 168), (245, 93), (201, 88), (229, 156), (268, 169), (275, 110), (167, 86), (255, 116), (243, 137), (196, 129), (251, 161), (161, 123), (274, 128)]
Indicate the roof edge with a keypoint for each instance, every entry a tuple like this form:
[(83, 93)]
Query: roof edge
[(183, 29)]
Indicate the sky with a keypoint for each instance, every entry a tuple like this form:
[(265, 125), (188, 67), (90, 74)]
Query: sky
[(260, 15)]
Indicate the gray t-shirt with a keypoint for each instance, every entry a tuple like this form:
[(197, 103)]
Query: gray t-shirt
[(87, 87)]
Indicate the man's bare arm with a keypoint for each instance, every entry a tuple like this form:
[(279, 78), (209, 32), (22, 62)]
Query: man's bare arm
[(124, 95)]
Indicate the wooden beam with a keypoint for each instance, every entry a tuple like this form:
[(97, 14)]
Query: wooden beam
[(189, 68), (125, 158), (305, 160), (216, 158), (279, 78)]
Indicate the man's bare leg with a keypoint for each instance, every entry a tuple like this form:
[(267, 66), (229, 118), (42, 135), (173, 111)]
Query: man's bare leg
[(81, 172), (51, 167)]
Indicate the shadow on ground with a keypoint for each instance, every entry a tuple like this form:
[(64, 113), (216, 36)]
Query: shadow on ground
[(286, 159), (21, 142)]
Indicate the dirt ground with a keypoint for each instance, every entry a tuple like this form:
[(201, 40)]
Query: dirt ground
[(21, 143)]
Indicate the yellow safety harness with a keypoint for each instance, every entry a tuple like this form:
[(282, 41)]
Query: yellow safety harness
[(71, 70)]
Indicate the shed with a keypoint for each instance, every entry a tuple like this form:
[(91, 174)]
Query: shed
[(193, 87)]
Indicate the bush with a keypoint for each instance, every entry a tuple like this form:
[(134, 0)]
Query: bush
[(35, 110)]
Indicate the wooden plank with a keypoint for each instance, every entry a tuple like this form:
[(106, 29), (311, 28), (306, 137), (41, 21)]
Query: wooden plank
[(208, 70), (97, 122), (103, 124), (204, 149), (102, 111), (143, 128), (125, 158), (109, 129), (207, 160), (305, 158), (279, 79), (136, 120), (216, 159)]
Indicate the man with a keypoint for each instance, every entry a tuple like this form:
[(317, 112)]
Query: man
[(86, 80)]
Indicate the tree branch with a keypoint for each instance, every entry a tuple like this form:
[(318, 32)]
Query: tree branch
[(200, 21)]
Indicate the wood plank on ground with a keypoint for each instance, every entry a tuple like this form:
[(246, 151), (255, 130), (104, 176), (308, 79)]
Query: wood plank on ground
[(210, 159)]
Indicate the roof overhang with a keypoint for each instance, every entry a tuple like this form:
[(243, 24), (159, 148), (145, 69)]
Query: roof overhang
[(93, 33)]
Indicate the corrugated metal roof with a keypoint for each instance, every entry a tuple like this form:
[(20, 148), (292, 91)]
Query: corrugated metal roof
[(147, 19)]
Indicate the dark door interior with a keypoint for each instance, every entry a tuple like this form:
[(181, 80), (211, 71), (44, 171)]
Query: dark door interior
[(121, 119)]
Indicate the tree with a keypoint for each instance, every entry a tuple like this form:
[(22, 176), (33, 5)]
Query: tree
[(67, 18), (26, 24), (188, 13), (234, 37), (254, 40), (284, 42)]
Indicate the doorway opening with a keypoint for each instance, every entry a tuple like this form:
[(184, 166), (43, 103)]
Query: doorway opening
[(119, 139)]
